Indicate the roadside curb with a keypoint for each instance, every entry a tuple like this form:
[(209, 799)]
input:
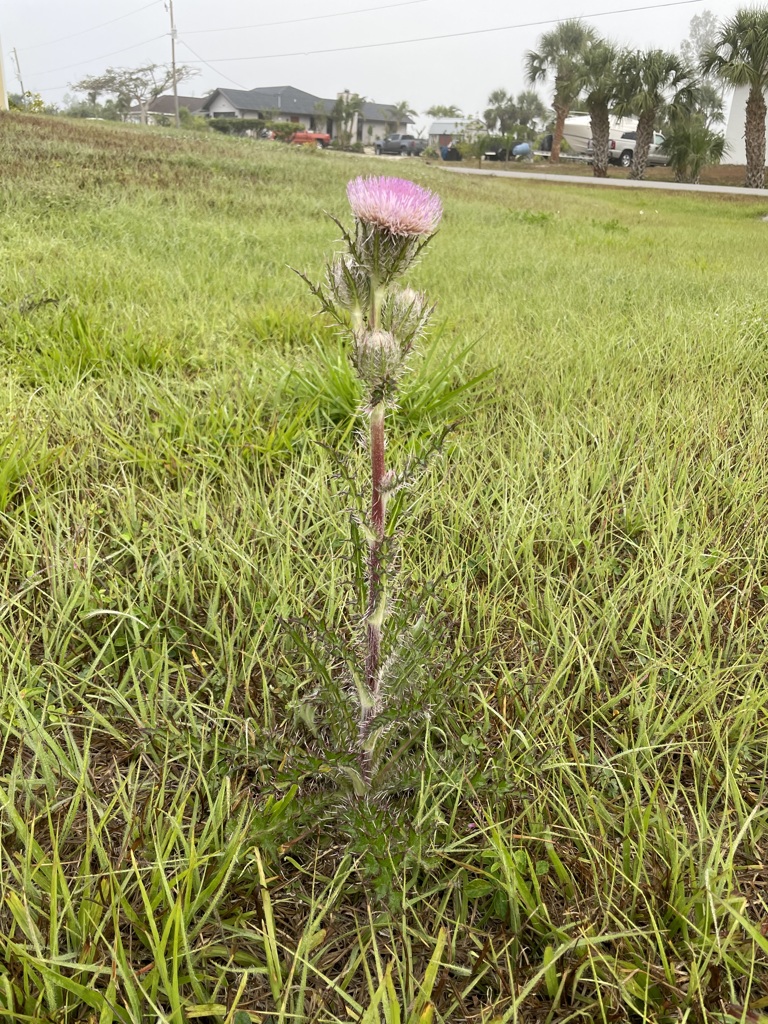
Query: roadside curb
[(570, 179)]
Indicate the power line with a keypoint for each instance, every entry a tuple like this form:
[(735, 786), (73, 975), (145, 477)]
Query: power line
[(91, 60), (210, 66), (313, 17), (368, 46), (93, 28), (200, 60), (451, 35)]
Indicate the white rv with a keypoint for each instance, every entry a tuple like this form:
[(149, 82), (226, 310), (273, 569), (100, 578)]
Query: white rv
[(578, 130)]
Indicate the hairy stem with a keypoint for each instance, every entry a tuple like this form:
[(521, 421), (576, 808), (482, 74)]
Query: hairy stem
[(374, 610)]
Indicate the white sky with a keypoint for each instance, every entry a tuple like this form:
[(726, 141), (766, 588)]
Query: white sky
[(461, 70)]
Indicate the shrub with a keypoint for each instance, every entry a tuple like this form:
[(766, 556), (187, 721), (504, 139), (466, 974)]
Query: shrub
[(283, 129), (353, 147), (237, 125), (691, 145)]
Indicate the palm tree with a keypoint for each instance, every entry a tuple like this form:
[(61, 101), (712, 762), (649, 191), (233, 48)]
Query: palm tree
[(345, 113), (740, 57), (530, 107), (401, 112), (649, 80), (559, 56), (691, 145), (599, 84), (439, 110), (501, 113)]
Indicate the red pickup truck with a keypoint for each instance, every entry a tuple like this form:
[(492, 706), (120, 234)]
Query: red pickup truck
[(318, 139)]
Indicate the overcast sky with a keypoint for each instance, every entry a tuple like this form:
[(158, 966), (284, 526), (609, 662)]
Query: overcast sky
[(60, 41)]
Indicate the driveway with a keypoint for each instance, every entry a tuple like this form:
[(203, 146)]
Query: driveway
[(572, 179)]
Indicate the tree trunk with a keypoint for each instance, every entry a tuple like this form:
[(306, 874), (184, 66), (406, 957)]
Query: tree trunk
[(601, 139), (754, 139), (642, 145), (561, 112)]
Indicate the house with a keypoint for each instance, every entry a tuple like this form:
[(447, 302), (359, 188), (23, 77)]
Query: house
[(164, 107), (285, 103), (455, 129)]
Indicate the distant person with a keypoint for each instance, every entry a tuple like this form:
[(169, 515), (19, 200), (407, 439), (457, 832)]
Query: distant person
[(522, 151)]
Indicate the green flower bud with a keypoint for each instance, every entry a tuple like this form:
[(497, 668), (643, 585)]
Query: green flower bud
[(378, 358)]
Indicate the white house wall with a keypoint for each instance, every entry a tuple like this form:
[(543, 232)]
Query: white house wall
[(220, 106), (736, 152)]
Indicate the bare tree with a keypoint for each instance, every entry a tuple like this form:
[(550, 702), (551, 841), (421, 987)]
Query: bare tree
[(142, 85), (703, 35)]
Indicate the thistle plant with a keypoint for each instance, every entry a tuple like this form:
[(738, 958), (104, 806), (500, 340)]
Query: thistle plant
[(394, 221)]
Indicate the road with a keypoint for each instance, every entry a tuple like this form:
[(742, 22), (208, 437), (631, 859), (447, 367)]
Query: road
[(572, 179)]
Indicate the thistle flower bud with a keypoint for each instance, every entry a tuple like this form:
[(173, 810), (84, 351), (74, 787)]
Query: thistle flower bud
[(377, 358), (406, 314), (349, 285)]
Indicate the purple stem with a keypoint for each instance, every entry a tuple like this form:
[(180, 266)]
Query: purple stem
[(378, 509)]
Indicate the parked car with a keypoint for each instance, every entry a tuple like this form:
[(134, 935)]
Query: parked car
[(622, 150), (401, 145), (319, 139)]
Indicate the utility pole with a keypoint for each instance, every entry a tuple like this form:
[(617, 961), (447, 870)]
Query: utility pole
[(173, 66), (3, 93), (18, 71)]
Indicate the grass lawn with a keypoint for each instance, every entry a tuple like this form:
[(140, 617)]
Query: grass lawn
[(581, 831)]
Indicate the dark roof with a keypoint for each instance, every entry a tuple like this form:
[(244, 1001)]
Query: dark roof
[(165, 104), (284, 99)]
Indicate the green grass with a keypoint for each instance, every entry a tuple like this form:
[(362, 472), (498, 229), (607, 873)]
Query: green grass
[(585, 837)]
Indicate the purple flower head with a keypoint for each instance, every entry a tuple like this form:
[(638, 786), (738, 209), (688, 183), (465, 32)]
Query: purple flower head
[(396, 205)]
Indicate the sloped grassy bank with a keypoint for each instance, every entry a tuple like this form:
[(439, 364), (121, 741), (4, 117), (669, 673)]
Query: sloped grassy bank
[(580, 833)]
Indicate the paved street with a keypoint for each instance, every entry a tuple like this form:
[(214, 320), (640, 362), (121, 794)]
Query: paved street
[(572, 179)]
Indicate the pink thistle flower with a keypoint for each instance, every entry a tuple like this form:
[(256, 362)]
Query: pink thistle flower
[(396, 205)]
